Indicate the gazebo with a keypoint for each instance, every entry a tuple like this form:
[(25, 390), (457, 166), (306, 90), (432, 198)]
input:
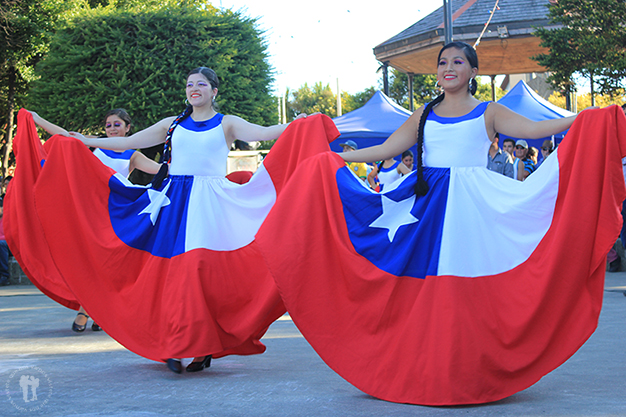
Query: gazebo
[(505, 47)]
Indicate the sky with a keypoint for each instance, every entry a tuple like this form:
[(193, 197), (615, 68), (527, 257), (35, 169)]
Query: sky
[(326, 40)]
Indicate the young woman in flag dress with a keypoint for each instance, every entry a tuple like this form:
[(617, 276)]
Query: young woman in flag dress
[(117, 123), (458, 285), (174, 269)]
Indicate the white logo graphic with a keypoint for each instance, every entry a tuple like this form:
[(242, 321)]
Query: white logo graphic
[(32, 383)]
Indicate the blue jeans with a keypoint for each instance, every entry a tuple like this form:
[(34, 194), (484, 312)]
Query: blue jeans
[(4, 260)]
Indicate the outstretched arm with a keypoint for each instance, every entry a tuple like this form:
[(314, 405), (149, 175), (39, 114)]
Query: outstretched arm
[(401, 140), (503, 120), (48, 126), (146, 138), (237, 128)]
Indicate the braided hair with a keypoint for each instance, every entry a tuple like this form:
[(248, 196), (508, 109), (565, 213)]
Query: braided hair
[(421, 186)]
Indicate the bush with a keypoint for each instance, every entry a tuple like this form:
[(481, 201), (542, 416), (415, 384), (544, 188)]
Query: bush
[(106, 59)]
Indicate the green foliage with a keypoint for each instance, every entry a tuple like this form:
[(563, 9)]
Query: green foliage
[(26, 26), (591, 43), (350, 103), (483, 92), (109, 58), (320, 99), (424, 88)]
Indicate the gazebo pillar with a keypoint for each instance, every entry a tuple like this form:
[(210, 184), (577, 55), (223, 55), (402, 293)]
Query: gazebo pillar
[(410, 74), (447, 21), (386, 78)]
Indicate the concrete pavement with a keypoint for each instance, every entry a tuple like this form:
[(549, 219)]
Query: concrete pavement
[(90, 374)]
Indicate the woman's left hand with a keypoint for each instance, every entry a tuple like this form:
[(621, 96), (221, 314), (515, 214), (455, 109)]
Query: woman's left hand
[(304, 115)]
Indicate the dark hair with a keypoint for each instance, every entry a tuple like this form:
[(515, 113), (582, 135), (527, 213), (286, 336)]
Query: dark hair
[(509, 140), (407, 153), (122, 114), (421, 186), (472, 59), (211, 76)]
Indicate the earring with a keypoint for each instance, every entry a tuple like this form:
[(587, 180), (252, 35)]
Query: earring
[(186, 102)]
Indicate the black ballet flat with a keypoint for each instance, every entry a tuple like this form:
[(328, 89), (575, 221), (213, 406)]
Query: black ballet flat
[(174, 365), (198, 366), (95, 327), (77, 327)]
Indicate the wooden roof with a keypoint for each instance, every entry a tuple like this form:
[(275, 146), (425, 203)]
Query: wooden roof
[(415, 49)]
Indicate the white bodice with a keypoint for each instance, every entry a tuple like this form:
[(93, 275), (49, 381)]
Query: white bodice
[(456, 141), (199, 148), (118, 161)]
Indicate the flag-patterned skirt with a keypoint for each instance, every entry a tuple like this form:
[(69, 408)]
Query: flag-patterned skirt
[(467, 295), (172, 272)]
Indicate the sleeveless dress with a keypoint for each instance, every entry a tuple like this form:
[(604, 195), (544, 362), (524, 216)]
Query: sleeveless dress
[(468, 294), (172, 272), (387, 176), (117, 161)]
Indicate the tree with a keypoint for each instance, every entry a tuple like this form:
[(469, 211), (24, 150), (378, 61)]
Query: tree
[(350, 103), (319, 98), (591, 42), (26, 26), (424, 88), (139, 60)]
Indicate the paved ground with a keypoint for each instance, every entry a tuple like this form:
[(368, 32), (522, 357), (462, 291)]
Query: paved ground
[(90, 374)]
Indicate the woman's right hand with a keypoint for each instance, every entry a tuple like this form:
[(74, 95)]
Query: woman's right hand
[(78, 136)]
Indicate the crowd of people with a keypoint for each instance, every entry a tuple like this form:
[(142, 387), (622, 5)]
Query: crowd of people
[(203, 265)]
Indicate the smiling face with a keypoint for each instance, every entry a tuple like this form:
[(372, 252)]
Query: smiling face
[(520, 152), (454, 70), (199, 90), (114, 126)]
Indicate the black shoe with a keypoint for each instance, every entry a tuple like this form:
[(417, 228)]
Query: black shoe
[(78, 327), (198, 366), (95, 327), (174, 365)]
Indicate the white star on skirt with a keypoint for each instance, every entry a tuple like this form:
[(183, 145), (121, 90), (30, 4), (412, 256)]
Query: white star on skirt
[(158, 200), (395, 214)]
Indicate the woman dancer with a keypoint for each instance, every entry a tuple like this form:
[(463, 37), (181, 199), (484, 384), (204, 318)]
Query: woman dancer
[(387, 172), (117, 122), (431, 293), (175, 269)]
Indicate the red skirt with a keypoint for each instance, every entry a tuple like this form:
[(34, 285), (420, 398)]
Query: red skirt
[(393, 326)]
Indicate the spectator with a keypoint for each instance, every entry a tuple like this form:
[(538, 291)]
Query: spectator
[(359, 168), (499, 161), (533, 154), (522, 165), (508, 146), (546, 149)]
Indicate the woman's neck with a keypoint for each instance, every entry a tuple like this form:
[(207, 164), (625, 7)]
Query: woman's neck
[(200, 114)]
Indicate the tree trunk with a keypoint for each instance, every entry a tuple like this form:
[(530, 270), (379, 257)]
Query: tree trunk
[(593, 94), (8, 140)]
